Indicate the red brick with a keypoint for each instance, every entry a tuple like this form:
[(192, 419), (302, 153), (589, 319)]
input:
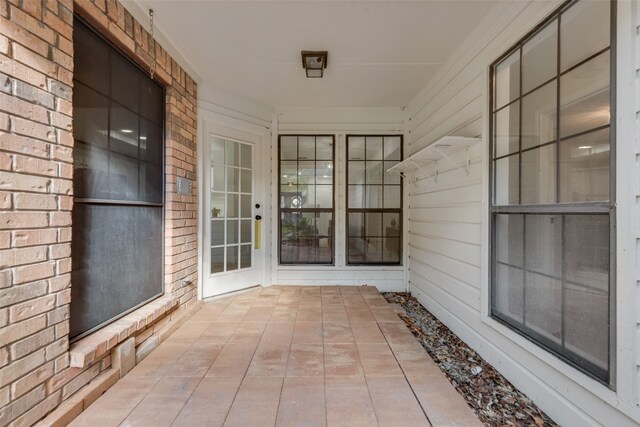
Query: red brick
[(35, 166), (33, 237), (20, 71), (33, 60), (17, 107), (21, 35), (13, 220), (58, 25), (31, 308), (28, 201)]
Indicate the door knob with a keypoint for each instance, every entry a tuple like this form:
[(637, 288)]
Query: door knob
[(258, 217)]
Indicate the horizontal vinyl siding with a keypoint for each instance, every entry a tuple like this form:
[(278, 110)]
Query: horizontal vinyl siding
[(636, 23), (447, 244)]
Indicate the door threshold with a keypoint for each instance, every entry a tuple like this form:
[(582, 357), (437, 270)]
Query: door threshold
[(226, 294)]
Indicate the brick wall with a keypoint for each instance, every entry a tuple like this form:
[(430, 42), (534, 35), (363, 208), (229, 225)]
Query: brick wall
[(36, 171)]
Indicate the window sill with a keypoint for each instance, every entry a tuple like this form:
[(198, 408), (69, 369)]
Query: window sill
[(94, 346)]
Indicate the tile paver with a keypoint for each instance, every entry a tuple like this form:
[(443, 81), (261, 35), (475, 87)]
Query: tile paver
[(286, 356)]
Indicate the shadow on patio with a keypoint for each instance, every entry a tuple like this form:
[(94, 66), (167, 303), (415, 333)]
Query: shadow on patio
[(294, 356)]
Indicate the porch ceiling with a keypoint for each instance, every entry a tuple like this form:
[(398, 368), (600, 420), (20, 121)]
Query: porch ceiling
[(381, 53)]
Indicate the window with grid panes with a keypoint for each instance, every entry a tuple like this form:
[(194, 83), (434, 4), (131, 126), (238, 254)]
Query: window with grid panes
[(552, 206), (374, 200), (306, 199)]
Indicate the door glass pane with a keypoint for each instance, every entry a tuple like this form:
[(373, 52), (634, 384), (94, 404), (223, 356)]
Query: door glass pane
[(217, 232), (584, 97), (217, 178), (233, 179), (507, 80), (217, 151), (584, 168), (232, 258), (232, 231), (584, 31), (217, 260), (217, 205), (245, 256), (245, 156), (245, 231), (232, 205), (540, 57), (245, 181), (245, 206), (232, 154)]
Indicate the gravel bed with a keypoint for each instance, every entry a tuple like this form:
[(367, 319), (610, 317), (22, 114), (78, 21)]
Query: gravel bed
[(495, 401)]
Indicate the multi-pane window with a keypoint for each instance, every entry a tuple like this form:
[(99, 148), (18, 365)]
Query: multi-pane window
[(231, 205), (306, 199), (374, 200), (118, 154), (552, 199)]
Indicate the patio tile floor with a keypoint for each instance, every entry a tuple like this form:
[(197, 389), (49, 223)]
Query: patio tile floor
[(286, 356)]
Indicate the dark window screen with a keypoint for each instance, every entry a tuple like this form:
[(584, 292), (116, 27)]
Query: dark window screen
[(118, 184)]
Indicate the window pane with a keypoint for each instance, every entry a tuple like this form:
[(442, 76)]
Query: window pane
[(324, 173), (324, 196), (356, 173), (509, 239), (245, 156), (373, 224), (543, 306), (507, 130), (123, 177), (232, 153), (124, 131), (506, 178), (392, 197), (150, 178), (95, 61), (357, 248), (374, 196), (288, 147), (539, 175), (587, 296), (91, 116), (306, 172), (584, 96), (324, 148), (540, 57), (543, 251), (217, 232), (217, 151), (539, 116), (375, 249), (391, 252), (507, 80), (306, 148), (584, 30), (90, 171), (508, 292), (356, 196), (288, 172), (392, 148), (391, 224), (125, 81), (374, 148), (324, 224), (374, 172), (306, 197), (584, 168), (355, 147), (389, 177), (151, 143), (217, 260), (356, 224)]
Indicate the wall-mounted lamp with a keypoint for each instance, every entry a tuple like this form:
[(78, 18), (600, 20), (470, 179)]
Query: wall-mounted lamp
[(314, 63)]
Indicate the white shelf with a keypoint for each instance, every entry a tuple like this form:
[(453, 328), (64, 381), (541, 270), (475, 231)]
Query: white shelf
[(443, 149)]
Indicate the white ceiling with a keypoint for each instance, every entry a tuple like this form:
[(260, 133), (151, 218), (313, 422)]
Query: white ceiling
[(381, 53)]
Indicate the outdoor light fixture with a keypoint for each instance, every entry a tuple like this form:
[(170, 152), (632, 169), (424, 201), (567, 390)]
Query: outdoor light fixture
[(314, 63)]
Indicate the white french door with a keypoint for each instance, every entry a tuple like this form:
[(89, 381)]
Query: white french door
[(231, 214)]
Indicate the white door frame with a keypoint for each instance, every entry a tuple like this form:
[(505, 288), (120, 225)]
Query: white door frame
[(221, 125)]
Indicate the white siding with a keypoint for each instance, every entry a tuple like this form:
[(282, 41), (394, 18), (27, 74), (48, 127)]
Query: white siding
[(339, 122), (448, 231), (635, 217)]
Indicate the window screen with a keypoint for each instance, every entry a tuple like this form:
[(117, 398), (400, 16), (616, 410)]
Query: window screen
[(118, 184), (552, 205)]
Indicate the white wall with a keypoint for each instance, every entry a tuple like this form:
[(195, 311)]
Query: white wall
[(448, 231), (339, 122)]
